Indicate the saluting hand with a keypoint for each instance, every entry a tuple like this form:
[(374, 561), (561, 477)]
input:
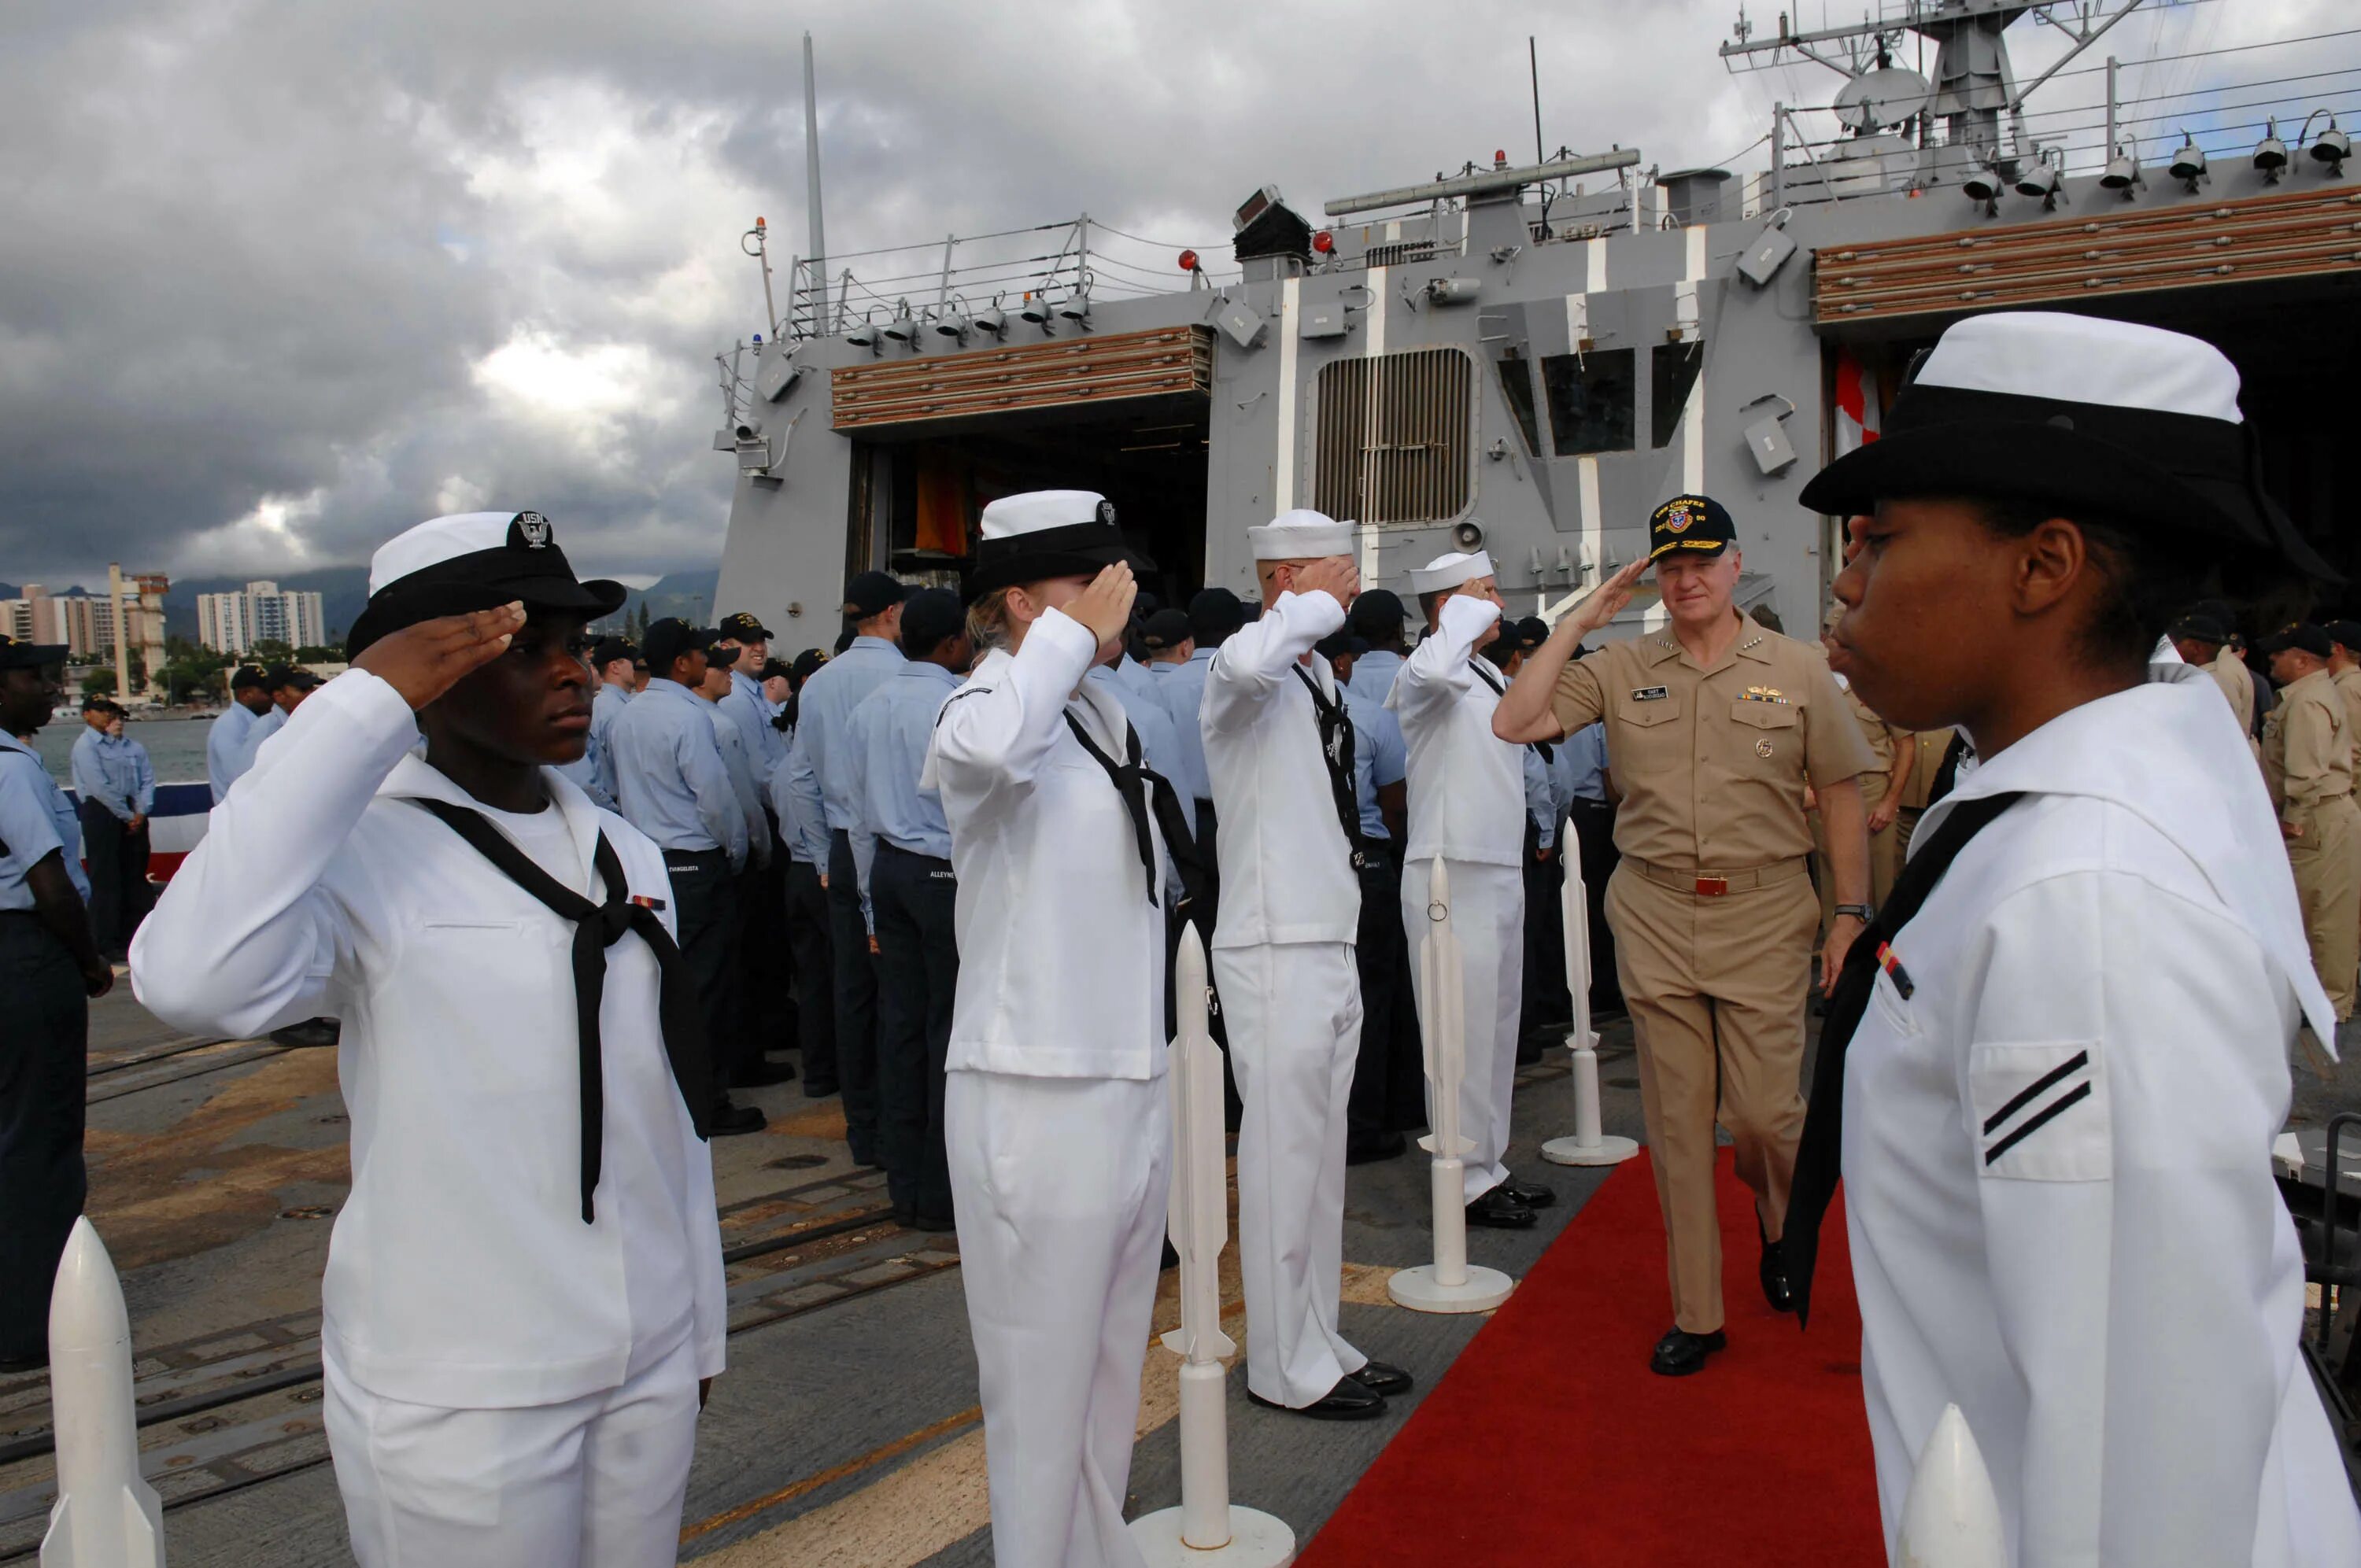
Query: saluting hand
[(1335, 575), (1606, 601), (1105, 605), (425, 661)]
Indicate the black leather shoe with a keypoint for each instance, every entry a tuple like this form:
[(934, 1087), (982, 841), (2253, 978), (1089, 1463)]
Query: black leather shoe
[(933, 1223), (1680, 1352), (1350, 1401), (762, 1075), (730, 1119), (1384, 1379), (819, 1088), (313, 1034), (1774, 1275), (1501, 1209), (1171, 1258), (13, 1365), (1368, 1149), (1532, 1194)]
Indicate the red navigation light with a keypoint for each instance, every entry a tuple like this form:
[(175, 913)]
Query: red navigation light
[(1323, 242), (758, 222), (1188, 261), (1500, 159)]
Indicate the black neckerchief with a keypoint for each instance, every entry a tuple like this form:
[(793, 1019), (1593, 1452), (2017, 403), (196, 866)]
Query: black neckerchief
[(596, 928), (1819, 1157), (1337, 741), (1478, 663), (1145, 790)]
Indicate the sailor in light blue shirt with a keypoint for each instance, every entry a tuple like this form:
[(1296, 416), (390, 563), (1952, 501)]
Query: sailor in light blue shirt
[(288, 686), (1582, 764), (888, 738), (1374, 672), (36, 819), (1541, 798), (615, 661), (821, 779), (1183, 694), (228, 740), (670, 779), (746, 704), (739, 767), (114, 772), (1380, 757)]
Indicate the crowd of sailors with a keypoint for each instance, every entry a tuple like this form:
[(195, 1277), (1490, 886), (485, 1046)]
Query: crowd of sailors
[(562, 896)]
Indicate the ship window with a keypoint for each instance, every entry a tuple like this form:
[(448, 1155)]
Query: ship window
[(1590, 400), (1672, 371), (1517, 386), (1394, 436)]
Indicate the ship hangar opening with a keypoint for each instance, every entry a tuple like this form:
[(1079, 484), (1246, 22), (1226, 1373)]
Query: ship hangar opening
[(1125, 414), (2297, 344)]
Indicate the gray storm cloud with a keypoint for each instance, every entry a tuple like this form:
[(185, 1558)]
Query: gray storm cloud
[(277, 279)]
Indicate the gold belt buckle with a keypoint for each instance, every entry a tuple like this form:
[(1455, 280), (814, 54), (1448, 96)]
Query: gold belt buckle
[(1712, 886)]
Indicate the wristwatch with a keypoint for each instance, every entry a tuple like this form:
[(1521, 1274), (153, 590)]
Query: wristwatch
[(1864, 912)]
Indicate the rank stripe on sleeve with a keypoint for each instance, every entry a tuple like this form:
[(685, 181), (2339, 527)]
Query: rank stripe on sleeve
[(2050, 1080)]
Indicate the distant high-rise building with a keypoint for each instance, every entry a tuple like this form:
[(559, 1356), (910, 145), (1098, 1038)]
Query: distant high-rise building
[(260, 612), (83, 623)]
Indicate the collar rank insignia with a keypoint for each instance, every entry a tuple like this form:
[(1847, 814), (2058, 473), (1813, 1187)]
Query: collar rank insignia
[(1650, 694)]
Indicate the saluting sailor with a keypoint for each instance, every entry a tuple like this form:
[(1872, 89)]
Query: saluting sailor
[(1054, 1113), (1279, 749), (523, 1292), (1467, 804), (1716, 727), (2069, 1031)]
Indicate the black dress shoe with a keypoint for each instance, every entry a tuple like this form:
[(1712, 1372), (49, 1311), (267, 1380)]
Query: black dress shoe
[(311, 1034), (1350, 1401), (730, 1119), (1680, 1352), (1501, 1209), (1383, 1378), (1171, 1258), (13, 1365), (762, 1075), (819, 1088), (1532, 1194), (933, 1223), (1368, 1149), (1775, 1290)]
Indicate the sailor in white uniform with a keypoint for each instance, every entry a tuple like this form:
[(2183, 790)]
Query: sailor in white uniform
[(1278, 750), (523, 1292), (1467, 804), (2060, 1053), (1055, 1116)]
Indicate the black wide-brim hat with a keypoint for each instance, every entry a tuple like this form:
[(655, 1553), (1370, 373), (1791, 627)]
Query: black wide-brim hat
[(1994, 435), (1048, 533), (475, 561)]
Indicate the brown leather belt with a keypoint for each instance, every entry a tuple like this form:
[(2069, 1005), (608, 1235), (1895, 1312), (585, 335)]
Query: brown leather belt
[(1713, 885)]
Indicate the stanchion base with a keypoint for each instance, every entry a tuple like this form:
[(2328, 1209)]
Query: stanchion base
[(1257, 1540), (1608, 1150), (1418, 1289)]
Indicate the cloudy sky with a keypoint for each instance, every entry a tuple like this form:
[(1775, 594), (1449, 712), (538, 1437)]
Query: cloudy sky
[(280, 277)]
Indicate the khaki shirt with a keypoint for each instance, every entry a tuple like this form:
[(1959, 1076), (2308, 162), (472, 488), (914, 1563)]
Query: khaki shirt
[(1932, 744), (2237, 683), (1712, 764), (2348, 686), (2307, 746), (1884, 742)]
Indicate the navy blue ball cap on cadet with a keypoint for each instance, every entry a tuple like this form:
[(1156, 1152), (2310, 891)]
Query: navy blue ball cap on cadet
[(2346, 635), (871, 593), (1214, 614), (668, 638), (1341, 645), (1378, 612), (2302, 634), (1165, 628), (247, 677), (2198, 626), (1048, 533), (806, 664), (289, 677), (744, 627), (611, 649), (930, 617), (1693, 525), (474, 560), (2127, 422), (15, 655)]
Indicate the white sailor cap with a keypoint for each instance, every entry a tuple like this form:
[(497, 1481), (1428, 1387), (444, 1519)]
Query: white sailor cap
[(471, 560), (1048, 533), (1301, 535), (1449, 571)]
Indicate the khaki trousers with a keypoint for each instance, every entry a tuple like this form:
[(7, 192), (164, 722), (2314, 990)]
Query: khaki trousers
[(1886, 851), (2327, 865), (1716, 990)]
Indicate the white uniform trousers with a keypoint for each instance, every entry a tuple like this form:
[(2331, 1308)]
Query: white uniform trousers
[(1058, 1187), (1294, 1016), (1487, 916), (591, 1483)]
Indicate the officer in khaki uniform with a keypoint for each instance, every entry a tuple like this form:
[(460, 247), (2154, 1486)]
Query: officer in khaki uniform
[(2307, 763), (2345, 671), (1896, 755), (2203, 637), (1717, 726), (1919, 789)]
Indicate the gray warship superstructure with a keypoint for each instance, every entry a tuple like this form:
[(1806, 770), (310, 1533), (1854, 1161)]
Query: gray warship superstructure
[(1530, 357)]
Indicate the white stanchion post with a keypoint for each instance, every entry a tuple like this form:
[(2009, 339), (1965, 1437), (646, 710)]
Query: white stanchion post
[(1206, 1528), (1588, 1146), (1450, 1284), (106, 1516), (1951, 1519)]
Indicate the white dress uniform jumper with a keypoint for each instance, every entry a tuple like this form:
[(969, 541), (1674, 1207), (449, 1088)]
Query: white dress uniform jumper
[(1467, 804), (1055, 1120), (506, 1383), (1282, 960), (2071, 1059)]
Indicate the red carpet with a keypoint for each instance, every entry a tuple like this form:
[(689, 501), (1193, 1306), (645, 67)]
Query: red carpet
[(1549, 1441)]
